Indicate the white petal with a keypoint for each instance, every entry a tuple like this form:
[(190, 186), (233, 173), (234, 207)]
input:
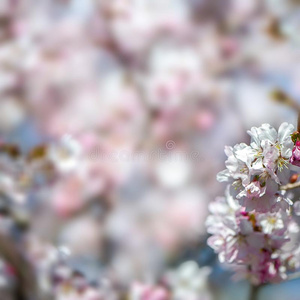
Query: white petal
[(297, 208)]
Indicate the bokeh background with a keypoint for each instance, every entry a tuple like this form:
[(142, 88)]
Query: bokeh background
[(115, 114)]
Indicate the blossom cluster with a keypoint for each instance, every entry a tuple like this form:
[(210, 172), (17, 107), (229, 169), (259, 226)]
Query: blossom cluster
[(83, 79), (256, 171), (253, 227)]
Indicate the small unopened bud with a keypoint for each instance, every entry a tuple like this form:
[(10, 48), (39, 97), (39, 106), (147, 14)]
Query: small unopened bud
[(295, 136), (295, 158), (274, 30), (280, 96), (294, 178)]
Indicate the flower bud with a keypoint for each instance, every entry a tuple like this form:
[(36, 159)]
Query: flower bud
[(295, 158), (294, 178)]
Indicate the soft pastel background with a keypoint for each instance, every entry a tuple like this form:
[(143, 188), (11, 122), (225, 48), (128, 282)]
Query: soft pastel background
[(146, 93)]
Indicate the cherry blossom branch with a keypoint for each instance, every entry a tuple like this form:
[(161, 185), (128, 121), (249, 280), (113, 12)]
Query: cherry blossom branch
[(290, 186), (254, 290), (26, 281), (283, 98)]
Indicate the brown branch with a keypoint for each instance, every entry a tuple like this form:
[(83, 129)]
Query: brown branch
[(254, 290), (26, 288), (290, 186), (280, 96)]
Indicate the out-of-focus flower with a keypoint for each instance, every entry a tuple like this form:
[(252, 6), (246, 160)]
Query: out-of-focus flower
[(296, 208), (144, 21), (12, 113), (65, 155), (189, 282), (148, 292)]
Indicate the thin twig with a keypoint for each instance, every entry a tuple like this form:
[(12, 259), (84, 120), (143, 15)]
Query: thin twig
[(283, 98), (298, 121), (290, 186), (26, 288)]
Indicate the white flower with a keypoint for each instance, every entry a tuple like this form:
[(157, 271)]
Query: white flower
[(253, 190), (271, 222), (296, 207), (189, 282), (272, 146), (65, 155), (238, 163), (255, 171)]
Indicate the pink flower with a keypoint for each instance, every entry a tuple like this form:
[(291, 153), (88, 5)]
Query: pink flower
[(148, 292), (295, 158), (253, 239)]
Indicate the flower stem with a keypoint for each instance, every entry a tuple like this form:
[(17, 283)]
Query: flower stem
[(26, 285), (290, 186), (283, 98), (254, 291)]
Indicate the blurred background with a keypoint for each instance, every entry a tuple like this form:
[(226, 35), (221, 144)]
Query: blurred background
[(113, 119)]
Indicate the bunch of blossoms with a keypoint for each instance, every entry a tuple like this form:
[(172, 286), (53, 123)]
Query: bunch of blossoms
[(58, 279), (253, 227), (187, 282)]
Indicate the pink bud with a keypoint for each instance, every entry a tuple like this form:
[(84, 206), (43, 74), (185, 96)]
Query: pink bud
[(295, 158)]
